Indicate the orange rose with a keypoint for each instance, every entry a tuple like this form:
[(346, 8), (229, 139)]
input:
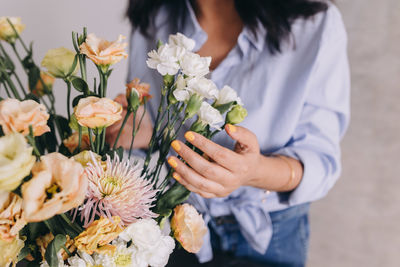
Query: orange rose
[(48, 80), (98, 235), (189, 227), (72, 142), (94, 112), (58, 185), (16, 116), (11, 216), (103, 52), (141, 88)]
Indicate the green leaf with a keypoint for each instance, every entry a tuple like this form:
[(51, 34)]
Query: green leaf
[(73, 66), (33, 76), (75, 101), (174, 196), (27, 62), (36, 229), (23, 253), (80, 85), (52, 249), (225, 107), (32, 97), (64, 126)]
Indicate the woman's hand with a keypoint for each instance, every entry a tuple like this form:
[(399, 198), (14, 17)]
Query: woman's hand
[(143, 135), (228, 169)]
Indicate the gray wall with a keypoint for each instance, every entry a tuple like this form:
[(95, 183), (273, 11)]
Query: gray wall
[(358, 224)]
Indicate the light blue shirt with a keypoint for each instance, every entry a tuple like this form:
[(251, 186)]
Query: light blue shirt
[(297, 102)]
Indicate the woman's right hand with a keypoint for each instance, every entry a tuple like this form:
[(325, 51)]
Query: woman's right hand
[(142, 137)]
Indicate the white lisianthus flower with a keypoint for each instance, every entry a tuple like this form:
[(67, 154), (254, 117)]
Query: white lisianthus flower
[(160, 255), (165, 59), (209, 115), (203, 87), (181, 40), (193, 65), (227, 95)]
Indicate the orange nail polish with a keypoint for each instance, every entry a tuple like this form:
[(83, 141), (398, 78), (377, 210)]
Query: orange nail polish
[(189, 136), (232, 128), (175, 145), (172, 162), (176, 176)]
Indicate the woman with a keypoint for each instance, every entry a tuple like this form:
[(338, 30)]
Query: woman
[(287, 60)]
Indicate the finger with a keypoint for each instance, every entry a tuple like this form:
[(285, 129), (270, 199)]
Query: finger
[(199, 182), (221, 155), (246, 140), (190, 187), (201, 165)]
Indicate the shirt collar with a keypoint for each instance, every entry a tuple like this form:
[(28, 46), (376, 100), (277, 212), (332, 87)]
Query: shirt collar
[(193, 30)]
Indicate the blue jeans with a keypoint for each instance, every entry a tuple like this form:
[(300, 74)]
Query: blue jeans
[(289, 242)]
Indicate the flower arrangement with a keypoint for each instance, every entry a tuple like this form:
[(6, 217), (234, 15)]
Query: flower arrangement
[(69, 198)]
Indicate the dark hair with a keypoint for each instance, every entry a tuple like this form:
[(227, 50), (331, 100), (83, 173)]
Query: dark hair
[(277, 16)]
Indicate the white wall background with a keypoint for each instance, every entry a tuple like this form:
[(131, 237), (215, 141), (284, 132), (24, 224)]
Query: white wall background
[(358, 224)]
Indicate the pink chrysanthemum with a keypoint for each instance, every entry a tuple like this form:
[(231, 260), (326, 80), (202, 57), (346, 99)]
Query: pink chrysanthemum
[(117, 190)]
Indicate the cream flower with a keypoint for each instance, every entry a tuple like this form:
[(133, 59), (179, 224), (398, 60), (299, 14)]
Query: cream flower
[(16, 161), (98, 236), (103, 52), (11, 216), (6, 31), (59, 61), (94, 112), (39, 89), (72, 142), (189, 227), (182, 41), (165, 59), (16, 116), (58, 185), (10, 251), (209, 115), (227, 95), (193, 65)]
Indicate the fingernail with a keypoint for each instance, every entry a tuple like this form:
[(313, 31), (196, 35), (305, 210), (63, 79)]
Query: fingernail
[(176, 176), (189, 136), (232, 128), (172, 162), (175, 145)]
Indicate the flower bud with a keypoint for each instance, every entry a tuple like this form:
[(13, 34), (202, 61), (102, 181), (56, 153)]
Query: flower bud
[(133, 99), (171, 99), (59, 62), (168, 80), (198, 126), (236, 115), (39, 89), (193, 106), (7, 33)]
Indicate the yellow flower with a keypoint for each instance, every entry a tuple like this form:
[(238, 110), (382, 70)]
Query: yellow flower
[(58, 62), (103, 52), (189, 227), (58, 185), (11, 216), (16, 161), (9, 251), (72, 142), (84, 158), (98, 235), (94, 112), (6, 31), (17, 116), (39, 89)]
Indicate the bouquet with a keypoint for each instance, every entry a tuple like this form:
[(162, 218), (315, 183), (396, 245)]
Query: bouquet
[(69, 198)]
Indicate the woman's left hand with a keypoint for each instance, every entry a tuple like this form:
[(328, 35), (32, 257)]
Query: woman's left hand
[(225, 172)]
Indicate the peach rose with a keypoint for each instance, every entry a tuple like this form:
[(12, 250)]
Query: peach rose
[(189, 227), (141, 88), (6, 31), (58, 185), (98, 235), (94, 112), (48, 80), (72, 142), (16, 116), (103, 52), (11, 216)]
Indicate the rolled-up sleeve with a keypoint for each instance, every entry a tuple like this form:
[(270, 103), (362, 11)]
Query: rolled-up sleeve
[(322, 123)]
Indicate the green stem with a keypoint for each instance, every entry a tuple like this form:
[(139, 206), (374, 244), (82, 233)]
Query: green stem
[(74, 226), (103, 140), (91, 140), (31, 140), (133, 135), (128, 113), (7, 92), (18, 36), (19, 57), (10, 83), (68, 98), (97, 141)]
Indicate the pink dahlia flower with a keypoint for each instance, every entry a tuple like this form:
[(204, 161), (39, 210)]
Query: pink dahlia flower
[(117, 189)]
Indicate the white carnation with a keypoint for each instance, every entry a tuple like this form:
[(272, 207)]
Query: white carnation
[(144, 234), (227, 95), (209, 115), (193, 65), (181, 40), (77, 261), (203, 87), (165, 59), (160, 255)]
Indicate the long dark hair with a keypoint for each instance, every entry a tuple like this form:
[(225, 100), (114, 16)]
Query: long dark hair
[(277, 16)]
